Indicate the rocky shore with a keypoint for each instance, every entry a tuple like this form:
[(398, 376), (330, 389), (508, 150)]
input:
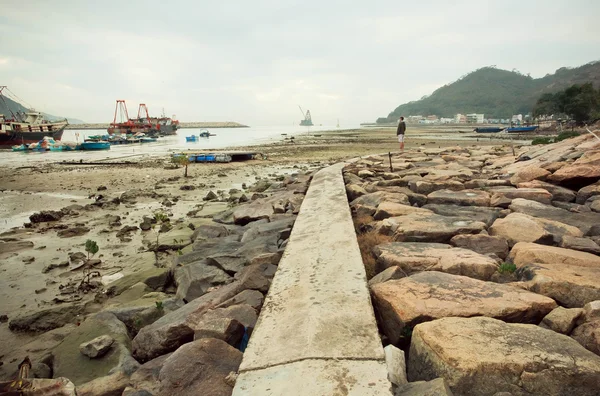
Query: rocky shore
[(484, 266)]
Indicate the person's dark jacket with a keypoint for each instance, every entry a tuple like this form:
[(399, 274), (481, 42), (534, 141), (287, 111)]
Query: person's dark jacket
[(401, 128)]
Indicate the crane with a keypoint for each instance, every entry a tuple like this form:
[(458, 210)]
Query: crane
[(307, 121)]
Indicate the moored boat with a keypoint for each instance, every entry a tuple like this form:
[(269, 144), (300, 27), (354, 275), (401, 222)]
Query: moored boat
[(192, 138), (95, 145), (522, 129), (27, 127), (487, 129)]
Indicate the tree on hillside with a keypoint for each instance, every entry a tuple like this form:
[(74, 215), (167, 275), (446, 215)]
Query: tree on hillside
[(579, 102)]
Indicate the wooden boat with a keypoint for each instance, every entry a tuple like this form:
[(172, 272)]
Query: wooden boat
[(487, 129), (522, 129), (95, 145)]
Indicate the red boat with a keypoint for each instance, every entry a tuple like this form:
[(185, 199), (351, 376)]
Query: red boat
[(150, 126)]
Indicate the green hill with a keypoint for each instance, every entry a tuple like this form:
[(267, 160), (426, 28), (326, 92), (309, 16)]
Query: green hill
[(494, 92), (8, 105)]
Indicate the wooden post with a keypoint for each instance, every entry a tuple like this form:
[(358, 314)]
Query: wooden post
[(390, 155)]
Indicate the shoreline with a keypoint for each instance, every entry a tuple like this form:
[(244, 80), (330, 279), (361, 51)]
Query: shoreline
[(182, 125)]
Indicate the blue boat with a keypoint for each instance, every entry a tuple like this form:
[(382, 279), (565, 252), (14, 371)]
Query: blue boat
[(22, 147), (522, 129), (488, 129), (95, 145), (148, 140), (192, 138)]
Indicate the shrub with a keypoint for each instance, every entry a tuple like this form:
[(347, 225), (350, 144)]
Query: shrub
[(566, 135), (507, 268), (91, 247), (542, 140)]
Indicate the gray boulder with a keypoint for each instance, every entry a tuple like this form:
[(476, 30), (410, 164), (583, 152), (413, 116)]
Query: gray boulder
[(97, 347)]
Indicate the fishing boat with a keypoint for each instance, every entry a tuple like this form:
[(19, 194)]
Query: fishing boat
[(192, 138), (147, 139), (487, 129), (26, 127), (143, 123), (21, 147), (204, 133), (522, 129), (95, 145)]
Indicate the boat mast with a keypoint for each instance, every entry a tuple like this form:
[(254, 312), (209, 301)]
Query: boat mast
[(2, 87)]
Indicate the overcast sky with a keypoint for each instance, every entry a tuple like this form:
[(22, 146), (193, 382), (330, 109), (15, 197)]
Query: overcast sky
[(255, 61)]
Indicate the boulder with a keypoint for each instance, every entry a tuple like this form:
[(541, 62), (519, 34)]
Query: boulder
[(518, 227), (376, 198), (194, 280), (110, 385), (72, 232), (253, 211), (354, 191), (436, 387), (484, 183), (200, 367), (139, 311), (595, 205), (46, 319), (528, 174), (581, 244), (155, 278), (227, 324), (387, 274), (396, 364), (70, 363), (558, 193), (14, 246), (274, 227), (562, 320), (588, 335), (46, 215), (587, 192), (413, 257), (428, 228), (145, 378), (426, 187), (583, 221), (461, 198), (591, 311), (253, 298), (431, 295), (529, 253), (391, 209), (482, 244), (365, 173), (583, 172), (519, 359), (175, 329), (413, 198), (474, 213), (97, 347), (503, 196)]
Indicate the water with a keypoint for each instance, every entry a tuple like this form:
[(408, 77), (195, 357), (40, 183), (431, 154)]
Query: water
[(224, 137)]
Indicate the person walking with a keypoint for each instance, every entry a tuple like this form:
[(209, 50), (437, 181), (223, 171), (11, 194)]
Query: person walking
[(400, 133)]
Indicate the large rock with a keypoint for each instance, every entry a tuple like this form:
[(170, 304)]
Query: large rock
[(413, 198), (587, 192), (558, 193), (396, 364), (528, 174), (194, 280), (582, 244), (145, 378), (519, 359), (266, 229), (175, 329), (473, 213), (519, 227), (432, 295), (225, 324), (503, 196), (46, 319), (436, 387), (97, 347), (461, 198), (483, 244), (428, 228), (529, 253), (426, 187), (200, 368), (155, 278), (582, 172), (253, 211), (14, 246), (376, 198), (69, 363), (414, 257), (390, 273), (588, 335), (72, 232), (354, 191), (562, 320), (391, 209), (110, 385), (46, 215)]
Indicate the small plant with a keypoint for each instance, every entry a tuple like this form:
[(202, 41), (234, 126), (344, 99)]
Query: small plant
[(182, 160), (160, 218), (507, 268), (91, 247), (566, 135), (542, 140), (159, 305)]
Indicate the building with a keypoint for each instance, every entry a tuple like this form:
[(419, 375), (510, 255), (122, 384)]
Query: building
[(432, 118), (460, 118), (475, 118), (446, 120)]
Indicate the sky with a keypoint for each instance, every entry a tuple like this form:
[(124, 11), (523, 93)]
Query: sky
[(255, 62)]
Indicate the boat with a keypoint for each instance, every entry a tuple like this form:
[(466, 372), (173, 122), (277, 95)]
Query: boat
[(147, 139), (26, 127), (205, 133), (307, 121), (192, 138), (487, 129), (21, 147), (95, 145), (522, 129), (143, 123)]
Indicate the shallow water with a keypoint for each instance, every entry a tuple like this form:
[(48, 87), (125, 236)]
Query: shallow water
[(224, 137)]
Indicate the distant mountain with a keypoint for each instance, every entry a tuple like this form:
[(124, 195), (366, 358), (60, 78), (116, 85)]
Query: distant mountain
[(494, 92), (16, 106)]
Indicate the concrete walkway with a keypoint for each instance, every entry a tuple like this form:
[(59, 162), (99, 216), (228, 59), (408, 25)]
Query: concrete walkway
[(316, 334)]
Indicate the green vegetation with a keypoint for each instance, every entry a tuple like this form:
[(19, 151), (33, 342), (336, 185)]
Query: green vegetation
[(181, 160), (494, 92), (160, 218), (159, 305), (542, 140), (547, 140), (507, 268), (579, 102), (91, 247)]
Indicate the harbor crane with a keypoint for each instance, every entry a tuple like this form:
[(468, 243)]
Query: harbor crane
[(307, 121)]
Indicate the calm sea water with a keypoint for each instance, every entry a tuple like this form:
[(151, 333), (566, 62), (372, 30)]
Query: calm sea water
[(224, 137)]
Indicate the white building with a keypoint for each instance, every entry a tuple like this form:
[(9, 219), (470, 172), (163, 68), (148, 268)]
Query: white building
[(475, 118), (459, 118)]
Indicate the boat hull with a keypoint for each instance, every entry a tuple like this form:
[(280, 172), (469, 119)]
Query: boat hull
[(15, 138), (521, 129), (488, 130), (95, 146)]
